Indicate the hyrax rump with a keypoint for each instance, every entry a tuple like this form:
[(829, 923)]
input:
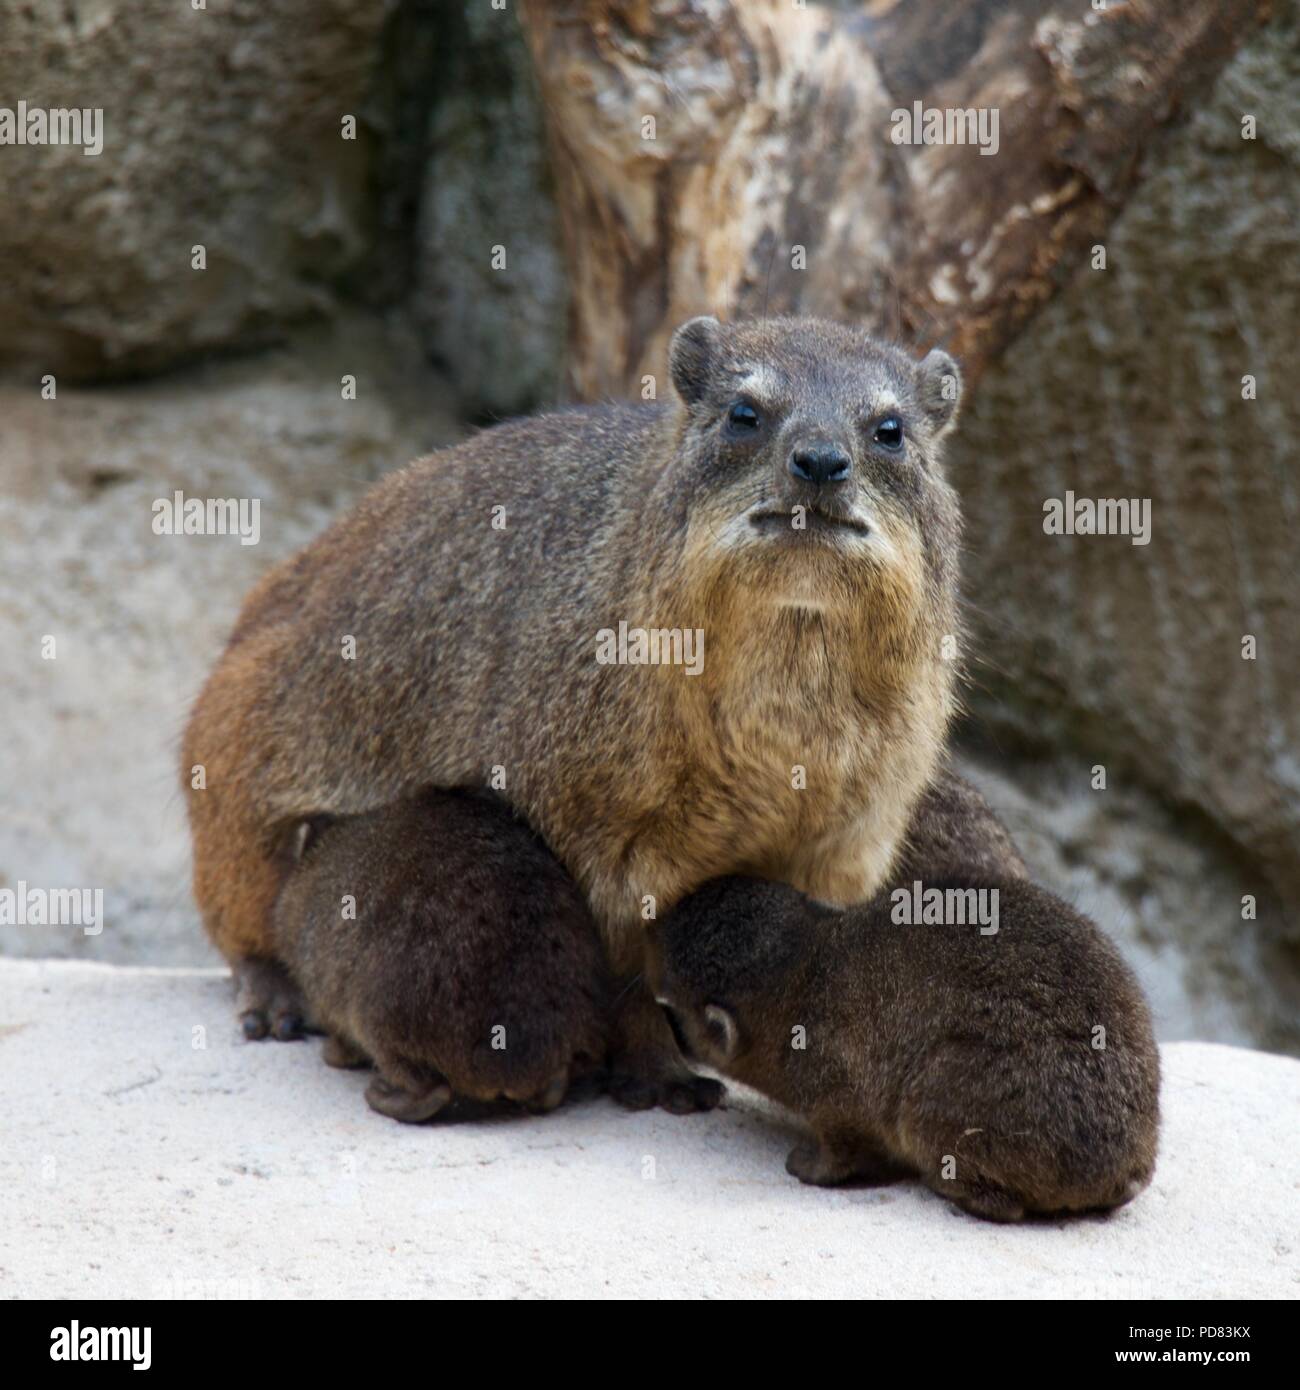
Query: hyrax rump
[(468, 964), (788, 502), (1014, 1071)]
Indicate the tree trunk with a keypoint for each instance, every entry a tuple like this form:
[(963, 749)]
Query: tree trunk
[(741, 158)]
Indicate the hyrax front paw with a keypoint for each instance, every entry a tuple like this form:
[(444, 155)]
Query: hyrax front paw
[(641, 1084), (812, 1163), (550, 1096), (989, 1203), (269, 1003), (339, 1052), (411, 1106), (828, 1164)]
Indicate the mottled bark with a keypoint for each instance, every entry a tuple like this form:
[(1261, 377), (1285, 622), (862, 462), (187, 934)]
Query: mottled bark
[(697, 144)]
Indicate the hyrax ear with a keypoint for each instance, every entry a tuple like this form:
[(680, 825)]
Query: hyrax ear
[(299, 839), (724, 1035), (692, 354), (304, 835), (940, 389)]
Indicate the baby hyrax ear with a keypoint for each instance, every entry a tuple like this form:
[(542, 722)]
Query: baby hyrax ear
[(692, 355), (940, 389), (300, 838), (304, 835), (723, 1033)]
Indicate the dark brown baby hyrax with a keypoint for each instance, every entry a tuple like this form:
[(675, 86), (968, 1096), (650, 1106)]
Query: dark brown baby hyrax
[(780, 515), (440, 939), (1013, 1070)]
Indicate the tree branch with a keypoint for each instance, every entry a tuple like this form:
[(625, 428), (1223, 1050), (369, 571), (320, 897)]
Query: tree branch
[(697, 143)]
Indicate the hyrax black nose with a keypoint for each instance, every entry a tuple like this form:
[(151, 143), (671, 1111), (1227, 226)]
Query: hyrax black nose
[(820, 463)]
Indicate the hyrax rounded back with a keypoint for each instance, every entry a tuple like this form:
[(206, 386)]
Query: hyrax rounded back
[(440, 939), (711, 634), (1005, 1056)]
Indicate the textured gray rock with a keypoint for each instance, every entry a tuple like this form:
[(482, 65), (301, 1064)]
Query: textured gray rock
[(150, 1152), (222, 128), (1130, 386), (497, 329)]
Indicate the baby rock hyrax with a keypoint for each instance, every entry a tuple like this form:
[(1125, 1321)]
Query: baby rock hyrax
[(706, 635), (1013, 1071), (440, 939)]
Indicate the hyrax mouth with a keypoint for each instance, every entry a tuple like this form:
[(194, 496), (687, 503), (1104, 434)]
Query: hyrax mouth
[(805, 521)]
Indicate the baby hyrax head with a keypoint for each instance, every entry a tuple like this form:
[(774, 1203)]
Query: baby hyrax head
[(717, 960), (811, 461)]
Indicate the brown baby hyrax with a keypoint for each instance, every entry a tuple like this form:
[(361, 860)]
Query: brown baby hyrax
[(439, 939), (1008, 1062), (712, 634)]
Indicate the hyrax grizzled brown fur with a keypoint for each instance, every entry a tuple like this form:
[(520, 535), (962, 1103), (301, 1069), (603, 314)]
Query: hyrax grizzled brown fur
[(1013, 1070), (789, 502), (954, 831), (440, 939)]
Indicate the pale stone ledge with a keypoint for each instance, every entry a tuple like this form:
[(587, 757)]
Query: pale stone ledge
[(135, 1163)]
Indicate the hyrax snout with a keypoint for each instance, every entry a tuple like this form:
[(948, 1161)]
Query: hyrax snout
[(439, 939), (1011, 1067)]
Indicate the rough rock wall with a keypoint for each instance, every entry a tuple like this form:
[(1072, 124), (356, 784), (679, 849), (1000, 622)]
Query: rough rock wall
[(221, 128), (1130, 386), (493, 319)]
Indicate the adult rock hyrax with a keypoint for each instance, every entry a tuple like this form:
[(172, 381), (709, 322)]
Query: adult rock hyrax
[(1013, 1070), (440, 939), (457, 627)]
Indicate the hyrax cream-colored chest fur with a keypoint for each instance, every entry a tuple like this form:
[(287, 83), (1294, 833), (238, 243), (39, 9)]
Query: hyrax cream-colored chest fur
[(474, 620)]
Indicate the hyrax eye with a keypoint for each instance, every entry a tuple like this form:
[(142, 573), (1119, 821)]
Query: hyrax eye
[(889, 432), (742, 416)]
